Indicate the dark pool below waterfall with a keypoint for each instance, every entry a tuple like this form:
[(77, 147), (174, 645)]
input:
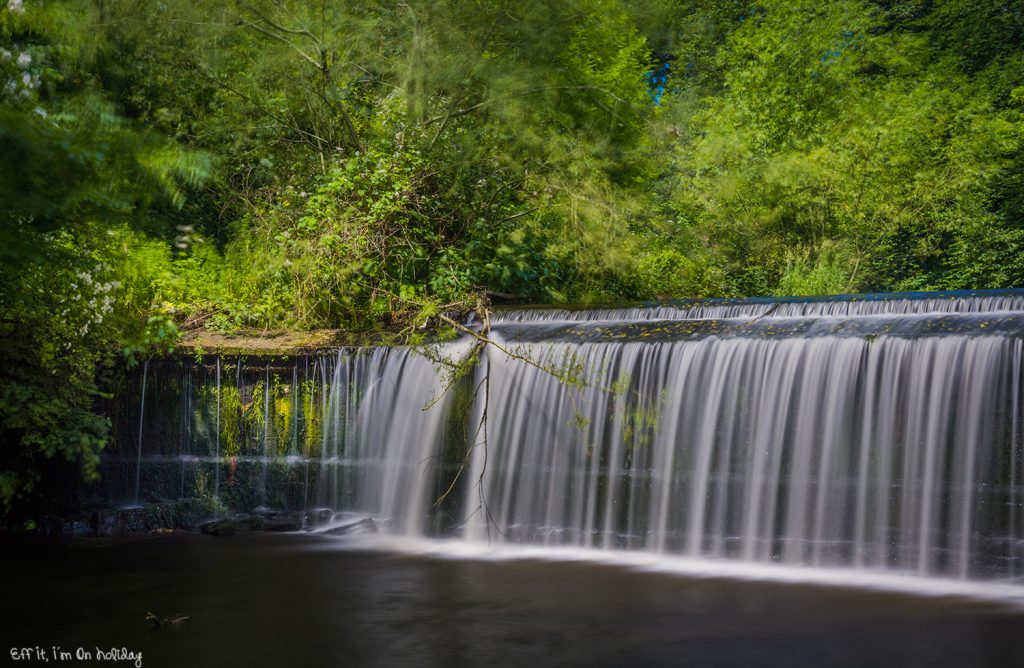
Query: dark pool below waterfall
[(303, 600)]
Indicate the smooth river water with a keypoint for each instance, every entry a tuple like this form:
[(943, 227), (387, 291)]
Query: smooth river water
[(307, 600)]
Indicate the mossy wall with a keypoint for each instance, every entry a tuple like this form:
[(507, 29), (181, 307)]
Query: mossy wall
[(248, 431)]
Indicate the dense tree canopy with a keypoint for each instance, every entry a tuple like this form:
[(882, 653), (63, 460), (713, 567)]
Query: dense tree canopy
[(360, 164)]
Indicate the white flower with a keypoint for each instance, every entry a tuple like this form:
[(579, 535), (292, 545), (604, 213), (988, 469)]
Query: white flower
[(24, 60), (5, 55), (16, 6), (40, 111)]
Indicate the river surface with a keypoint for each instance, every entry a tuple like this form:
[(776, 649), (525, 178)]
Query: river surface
[(305, 600)]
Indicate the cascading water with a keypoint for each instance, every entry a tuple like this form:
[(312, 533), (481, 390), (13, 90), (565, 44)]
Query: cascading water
[(878, 434), (380, 439), (827, 452), (142, 415), (216, 485), (984, 301)]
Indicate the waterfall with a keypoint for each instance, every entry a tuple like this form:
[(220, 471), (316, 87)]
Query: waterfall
[(985, 301), (142, 415), (384, 431), (879, 433), (216, 488), (825, 452)]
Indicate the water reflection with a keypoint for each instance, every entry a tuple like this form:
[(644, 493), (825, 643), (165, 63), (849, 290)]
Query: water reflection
[(260, 600)]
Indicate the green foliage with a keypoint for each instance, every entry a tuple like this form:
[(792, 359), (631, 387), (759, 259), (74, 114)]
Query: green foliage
[(379, 156), (668, 273), (808, 275), (368, 165), (75, 177), (837, 150)]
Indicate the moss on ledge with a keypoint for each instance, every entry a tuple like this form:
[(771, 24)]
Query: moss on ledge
[(263, 342)]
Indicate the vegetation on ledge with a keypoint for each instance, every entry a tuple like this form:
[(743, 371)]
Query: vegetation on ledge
[(260, 342)]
